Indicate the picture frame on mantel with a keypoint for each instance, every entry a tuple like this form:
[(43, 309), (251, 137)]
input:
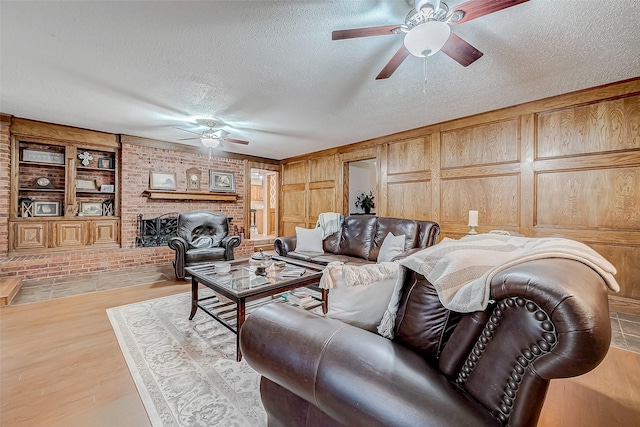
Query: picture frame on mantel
[(162, 180), (222, 182), (194, 177)]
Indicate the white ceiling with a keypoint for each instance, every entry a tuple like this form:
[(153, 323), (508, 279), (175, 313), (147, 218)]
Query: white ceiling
[(271, 72)]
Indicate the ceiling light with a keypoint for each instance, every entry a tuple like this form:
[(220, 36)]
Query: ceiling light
[(427, 39), (210, 142)]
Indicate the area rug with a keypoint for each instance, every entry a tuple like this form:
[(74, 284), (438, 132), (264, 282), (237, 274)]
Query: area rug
[(185, 370)]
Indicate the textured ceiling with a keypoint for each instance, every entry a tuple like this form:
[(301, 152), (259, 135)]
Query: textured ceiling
[(271, 72)]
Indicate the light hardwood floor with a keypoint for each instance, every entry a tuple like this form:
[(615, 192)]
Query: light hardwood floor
[(61, 366)]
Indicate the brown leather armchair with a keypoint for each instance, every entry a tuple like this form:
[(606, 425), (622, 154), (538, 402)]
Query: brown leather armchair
[(550, 319), (202, 236)]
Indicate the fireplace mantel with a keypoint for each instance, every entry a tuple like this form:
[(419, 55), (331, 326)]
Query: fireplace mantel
[(190, 195)]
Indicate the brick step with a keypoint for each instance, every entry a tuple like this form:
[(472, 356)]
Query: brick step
[(9, 287)]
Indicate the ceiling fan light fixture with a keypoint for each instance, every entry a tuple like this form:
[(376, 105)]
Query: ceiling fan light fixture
[(210, 142), (427, 39)]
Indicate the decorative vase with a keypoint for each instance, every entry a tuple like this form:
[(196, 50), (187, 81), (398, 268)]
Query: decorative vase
[(367, 210)]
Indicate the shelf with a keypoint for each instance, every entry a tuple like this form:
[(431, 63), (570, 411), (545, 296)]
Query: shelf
[(89, 168), (94, 192), (186, 195), (48, 165), (43, 190)]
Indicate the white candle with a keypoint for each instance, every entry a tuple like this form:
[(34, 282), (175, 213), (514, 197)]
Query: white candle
[(473, 218)]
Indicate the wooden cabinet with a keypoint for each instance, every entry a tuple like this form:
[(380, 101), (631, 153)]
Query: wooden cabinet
[(64, 192)]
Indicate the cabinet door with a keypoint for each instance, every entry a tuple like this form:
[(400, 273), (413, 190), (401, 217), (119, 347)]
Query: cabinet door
[(30, 235), (70, 234), (105, 232)]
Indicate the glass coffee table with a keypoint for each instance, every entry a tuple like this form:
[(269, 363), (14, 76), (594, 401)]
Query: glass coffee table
[(244, 290)]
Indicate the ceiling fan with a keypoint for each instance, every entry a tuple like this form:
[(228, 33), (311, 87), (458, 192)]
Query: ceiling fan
[(214, 136), (426, 31)]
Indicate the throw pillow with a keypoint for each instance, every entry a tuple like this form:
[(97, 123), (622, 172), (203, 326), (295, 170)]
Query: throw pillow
[(361, 306), (309, 240), (201, 242), (359, 295), (391, 247)]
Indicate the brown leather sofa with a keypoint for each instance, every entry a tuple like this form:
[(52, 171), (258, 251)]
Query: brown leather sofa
[(360, 238), (550, 319), (202, 236)]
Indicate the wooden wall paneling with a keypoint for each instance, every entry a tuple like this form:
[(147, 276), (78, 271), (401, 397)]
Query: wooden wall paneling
[(413, 155), (527, 176), (496, 198), (610, 125), (383, 172), (294, 191), (321, 199), (409, 199), (322, 169), (435, 177), (625, 259), (485, 144), (295, 173), (592, 198)]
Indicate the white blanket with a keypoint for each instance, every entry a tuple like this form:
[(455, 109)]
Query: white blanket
[(337, 274), (461, 270), (330, 222)]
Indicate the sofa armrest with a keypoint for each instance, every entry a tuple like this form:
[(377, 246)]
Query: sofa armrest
[(229, 243), (179, 245), (356, 377), (283, 245)]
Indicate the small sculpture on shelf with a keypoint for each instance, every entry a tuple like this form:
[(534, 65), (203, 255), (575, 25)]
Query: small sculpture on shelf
[(85, 157), (25, 207), (107, 207)]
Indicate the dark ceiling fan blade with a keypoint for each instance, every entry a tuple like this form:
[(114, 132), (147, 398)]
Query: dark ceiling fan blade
[(236, 141), (461, 51), (384, 30), (393, 64), (476, 8)]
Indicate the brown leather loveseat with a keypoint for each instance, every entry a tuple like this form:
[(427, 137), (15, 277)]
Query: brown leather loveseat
[(360, 238), (550, 319)]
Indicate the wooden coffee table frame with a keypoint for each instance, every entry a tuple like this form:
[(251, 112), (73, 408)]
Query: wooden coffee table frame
[(223, 311)]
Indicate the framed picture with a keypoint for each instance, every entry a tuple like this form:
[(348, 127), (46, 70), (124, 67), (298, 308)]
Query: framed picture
[(86, 184), (107, 188), (193, 179), (46, 208), (162, 180), (105, 163), (43, 157), (221, 182), (91, 208)]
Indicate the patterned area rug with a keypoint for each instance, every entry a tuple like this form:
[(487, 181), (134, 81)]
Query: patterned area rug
[(185, 370)]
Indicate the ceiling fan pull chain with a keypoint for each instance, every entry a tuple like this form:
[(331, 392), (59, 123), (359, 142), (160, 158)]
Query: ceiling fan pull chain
[(424, 82)]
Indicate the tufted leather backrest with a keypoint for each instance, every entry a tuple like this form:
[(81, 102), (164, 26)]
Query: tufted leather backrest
[(194, 224)]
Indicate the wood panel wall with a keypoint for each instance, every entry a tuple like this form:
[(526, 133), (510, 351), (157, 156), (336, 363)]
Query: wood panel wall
[(565, 166)]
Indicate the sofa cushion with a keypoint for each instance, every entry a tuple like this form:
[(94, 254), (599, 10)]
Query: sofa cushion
[(326, 258), (309, 240), (395, 226), (391, 247), (356, 236), (195, 256), (423, 324)]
